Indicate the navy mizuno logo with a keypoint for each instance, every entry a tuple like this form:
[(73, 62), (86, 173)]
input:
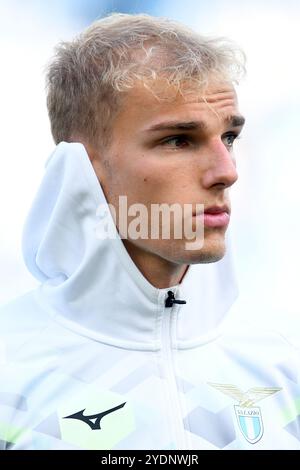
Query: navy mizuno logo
[(93, 420)]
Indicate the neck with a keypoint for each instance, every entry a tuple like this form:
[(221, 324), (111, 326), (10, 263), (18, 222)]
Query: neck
[(160, 272)]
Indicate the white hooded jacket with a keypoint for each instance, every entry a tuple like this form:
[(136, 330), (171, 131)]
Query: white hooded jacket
[(94, 359)]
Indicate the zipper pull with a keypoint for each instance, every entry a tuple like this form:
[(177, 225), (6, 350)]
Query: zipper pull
[(170, 300)]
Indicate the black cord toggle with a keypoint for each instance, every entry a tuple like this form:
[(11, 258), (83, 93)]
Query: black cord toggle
[(170, 300)]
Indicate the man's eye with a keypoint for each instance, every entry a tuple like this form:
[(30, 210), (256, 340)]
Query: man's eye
[(178, 141), (230, 138)]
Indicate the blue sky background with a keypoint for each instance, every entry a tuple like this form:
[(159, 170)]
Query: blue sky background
[(266, 217)]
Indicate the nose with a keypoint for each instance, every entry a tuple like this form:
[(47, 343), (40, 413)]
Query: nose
[(221, 167)]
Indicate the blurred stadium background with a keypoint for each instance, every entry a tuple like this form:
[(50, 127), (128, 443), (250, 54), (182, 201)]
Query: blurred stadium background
[(266, 217)]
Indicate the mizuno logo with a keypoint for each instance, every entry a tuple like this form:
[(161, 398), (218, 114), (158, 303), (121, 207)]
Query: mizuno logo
[(93, 420)]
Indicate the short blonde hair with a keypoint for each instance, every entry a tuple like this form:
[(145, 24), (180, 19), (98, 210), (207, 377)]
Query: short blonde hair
[(87, 77)]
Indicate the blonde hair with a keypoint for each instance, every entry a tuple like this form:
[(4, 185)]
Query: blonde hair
[(88, 76)]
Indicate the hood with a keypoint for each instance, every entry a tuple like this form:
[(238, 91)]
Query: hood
[(92, 285)]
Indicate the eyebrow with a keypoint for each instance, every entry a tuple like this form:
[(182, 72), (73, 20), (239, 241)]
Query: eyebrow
[(236, 120), (233, 121)]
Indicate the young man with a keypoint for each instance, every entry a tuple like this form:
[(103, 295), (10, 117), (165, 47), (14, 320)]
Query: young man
[(128, 342)]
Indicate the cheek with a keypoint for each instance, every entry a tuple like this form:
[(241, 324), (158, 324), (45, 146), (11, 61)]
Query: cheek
[(148, 178), (172, 178)]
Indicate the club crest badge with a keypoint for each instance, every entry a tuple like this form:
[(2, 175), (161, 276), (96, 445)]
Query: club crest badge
[(249, 416)]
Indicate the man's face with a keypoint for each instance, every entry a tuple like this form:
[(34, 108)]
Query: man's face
[(170, 151)]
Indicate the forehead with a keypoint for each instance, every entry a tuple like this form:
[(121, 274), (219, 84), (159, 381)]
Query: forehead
[(145, 106)]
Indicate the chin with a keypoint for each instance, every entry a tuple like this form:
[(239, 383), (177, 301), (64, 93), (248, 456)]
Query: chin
[(213, 250), (209, 256)]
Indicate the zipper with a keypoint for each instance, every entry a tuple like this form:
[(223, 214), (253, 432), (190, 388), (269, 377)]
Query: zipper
[(169, 312), (170, 301)]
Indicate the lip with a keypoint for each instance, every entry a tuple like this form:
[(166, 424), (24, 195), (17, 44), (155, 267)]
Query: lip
[(217, 210), (215, 216)]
